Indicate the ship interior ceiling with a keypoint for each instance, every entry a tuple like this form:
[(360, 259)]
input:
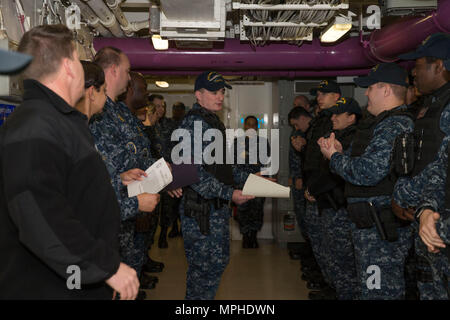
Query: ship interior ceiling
[(246, 40), (270, 51)]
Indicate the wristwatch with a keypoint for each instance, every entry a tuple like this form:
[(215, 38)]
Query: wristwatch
[(419, 212)]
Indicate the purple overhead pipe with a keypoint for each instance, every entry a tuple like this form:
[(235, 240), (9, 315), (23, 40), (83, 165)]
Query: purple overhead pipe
[(273, 73), (387, 43), (345, 58)]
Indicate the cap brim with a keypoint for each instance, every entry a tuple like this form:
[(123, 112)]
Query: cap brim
[(214, 87), (13, 62), (365, 82), (410, 56), (335, 110), (314, 91)]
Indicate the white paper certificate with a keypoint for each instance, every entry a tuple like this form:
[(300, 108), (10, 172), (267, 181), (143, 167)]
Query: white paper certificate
[(158, 177), (259, 187)]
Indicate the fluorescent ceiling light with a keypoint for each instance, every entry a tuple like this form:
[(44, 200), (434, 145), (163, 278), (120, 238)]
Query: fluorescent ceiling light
[(162, 84), (335, 31), (159, 43)]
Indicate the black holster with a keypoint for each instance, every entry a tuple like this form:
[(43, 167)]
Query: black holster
[(199, 208), (195, 206), (365, 215), (333, 198)]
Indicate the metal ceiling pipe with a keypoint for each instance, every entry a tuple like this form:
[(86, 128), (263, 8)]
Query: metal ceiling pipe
[(155, 19), (135, 26), (384, 45), (114, 6), (107, 18), (92, 18)]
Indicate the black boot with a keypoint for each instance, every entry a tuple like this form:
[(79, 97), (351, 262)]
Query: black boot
[(253, 239), (146, 282), (153, 266), (246, 240), (150, 277), (162, 242), (141, 295), (174, 232)]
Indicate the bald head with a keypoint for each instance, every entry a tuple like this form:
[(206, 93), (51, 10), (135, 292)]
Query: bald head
[(302, 101)]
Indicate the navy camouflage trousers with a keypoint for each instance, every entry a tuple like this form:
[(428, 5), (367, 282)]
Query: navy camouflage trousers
[(315, 231), (168, 210), (132, 245), (207, 255), (438, 266), (300, 210), (372, 254), (340, 257), (250, 215)]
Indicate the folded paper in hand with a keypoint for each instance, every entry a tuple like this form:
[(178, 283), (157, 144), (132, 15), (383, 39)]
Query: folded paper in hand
[(158, 177), (259, 187)]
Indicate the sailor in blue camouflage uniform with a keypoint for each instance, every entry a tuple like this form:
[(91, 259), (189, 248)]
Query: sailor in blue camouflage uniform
[(328, 191), (123, 147), (431, 79), (299, 119), (162, 144), (204, 209), (250, 214), (381, 240), (433, 217), (134, 99), (328, 93)]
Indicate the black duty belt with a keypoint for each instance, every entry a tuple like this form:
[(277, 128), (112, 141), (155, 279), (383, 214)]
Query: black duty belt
[(365, 215)]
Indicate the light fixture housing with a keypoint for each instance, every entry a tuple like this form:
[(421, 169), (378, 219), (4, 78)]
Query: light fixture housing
[(159, 43), (336, 30), (162, 84)]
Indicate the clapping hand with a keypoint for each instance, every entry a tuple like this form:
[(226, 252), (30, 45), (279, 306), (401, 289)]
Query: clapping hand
[(328, 146)]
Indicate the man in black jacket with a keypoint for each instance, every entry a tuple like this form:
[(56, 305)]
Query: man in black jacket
[(328, 93), (328, 190), (59, 218)]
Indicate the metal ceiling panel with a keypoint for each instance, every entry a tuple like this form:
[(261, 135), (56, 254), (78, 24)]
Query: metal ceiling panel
[(198, 10)]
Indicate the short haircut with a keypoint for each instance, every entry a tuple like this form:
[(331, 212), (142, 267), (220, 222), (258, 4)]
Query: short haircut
[(297, 112), (49, 45), (93, 75), (430, 60), (135, 77), (399, 91), (108, 56), (250, 117), (303, 98), (179, 106), (152, 97)]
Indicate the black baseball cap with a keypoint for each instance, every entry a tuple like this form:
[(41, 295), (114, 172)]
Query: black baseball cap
[(326, 86), (437, 45), (12, 62), (344, 104), (384, 72), (211, 81)]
